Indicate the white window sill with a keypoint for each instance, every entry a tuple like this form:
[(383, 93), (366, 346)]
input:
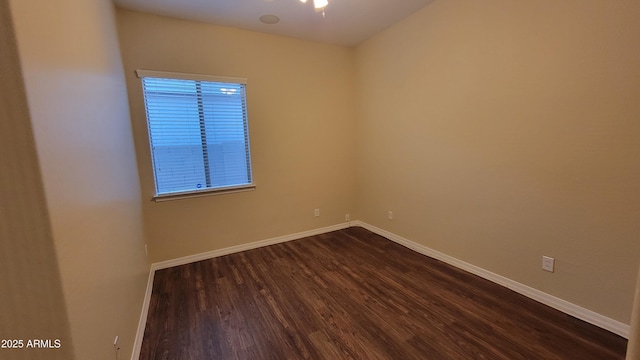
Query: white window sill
[(201, 193)]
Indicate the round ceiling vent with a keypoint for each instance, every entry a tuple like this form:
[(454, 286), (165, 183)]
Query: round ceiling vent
[(269, 19)]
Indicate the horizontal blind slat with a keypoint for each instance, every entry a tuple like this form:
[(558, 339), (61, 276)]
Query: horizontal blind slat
[(198, 132)]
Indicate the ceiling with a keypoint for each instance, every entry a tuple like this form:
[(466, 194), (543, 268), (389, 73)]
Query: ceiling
[(345, 22)]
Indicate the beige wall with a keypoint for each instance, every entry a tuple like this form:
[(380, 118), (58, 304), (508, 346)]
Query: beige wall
[(496, 132), (633, 349), (77, 98), (301, 108), (31, 301), (500, 131)]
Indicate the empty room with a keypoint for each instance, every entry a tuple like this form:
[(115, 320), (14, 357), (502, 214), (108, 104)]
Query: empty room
[(351, 179)]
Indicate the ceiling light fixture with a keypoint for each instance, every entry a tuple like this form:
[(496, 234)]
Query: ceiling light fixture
[(318, 4)]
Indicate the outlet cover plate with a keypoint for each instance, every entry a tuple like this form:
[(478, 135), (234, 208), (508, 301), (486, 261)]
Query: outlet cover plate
[(548, 263)]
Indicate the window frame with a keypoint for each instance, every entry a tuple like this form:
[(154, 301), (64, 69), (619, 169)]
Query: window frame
[(207, 191)]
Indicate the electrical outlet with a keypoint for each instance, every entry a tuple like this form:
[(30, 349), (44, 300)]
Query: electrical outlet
[(116, 347), (390, 215), (146, 251), (347, 217), (548, 263), (316, 212)]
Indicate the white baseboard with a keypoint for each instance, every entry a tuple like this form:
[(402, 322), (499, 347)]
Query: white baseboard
[(576, 311), (137, 345), (581, 313), (244, 247)]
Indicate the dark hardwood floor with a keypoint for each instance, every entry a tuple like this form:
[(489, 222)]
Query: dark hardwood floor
[(352, 294)]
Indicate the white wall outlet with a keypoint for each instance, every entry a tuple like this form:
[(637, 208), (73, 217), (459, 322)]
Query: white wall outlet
[(390, 215), (347, 217), (116, 347), (316, 212), (146, 251), (548, 263)]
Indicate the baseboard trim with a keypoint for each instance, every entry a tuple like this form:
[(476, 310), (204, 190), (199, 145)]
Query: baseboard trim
[(244, 247), (576, 311), (137, 345)]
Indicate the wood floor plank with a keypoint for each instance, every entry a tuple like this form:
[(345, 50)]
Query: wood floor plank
[(352, 294)]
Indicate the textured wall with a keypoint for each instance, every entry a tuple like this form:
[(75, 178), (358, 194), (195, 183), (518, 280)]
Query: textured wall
[(77, 98), (501, 131), (301, 109), (32, 302)]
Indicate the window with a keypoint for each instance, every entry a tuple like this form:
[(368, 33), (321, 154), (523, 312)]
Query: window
[(198, 133)]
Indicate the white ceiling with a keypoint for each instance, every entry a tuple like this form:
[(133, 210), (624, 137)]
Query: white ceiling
[(346, 22)]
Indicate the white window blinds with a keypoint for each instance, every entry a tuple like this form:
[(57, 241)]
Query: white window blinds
[(198, 132)]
